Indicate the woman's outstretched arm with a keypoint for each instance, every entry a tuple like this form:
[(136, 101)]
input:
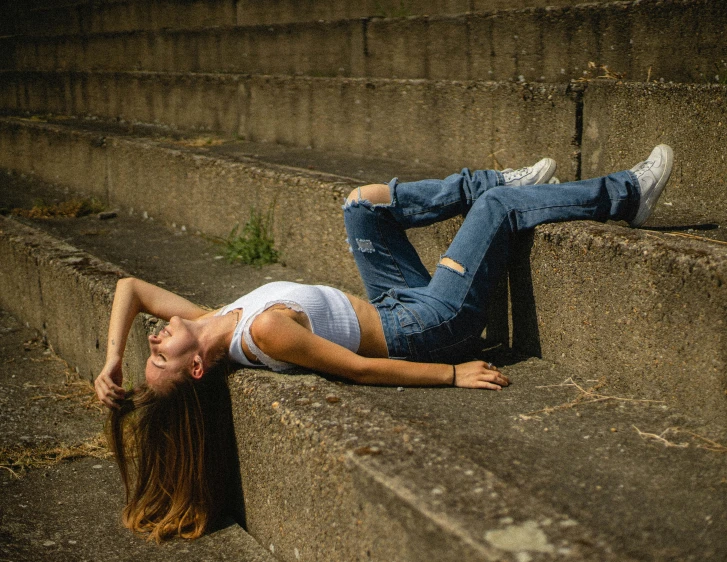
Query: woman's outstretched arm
[(282, 338), (133, 296)]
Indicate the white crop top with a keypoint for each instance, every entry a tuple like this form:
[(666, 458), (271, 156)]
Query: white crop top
[(329, 311)]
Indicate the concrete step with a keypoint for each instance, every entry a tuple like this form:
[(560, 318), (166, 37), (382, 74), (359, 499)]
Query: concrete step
[(673, 40), (590, 128), (567, 305), (331, 471), (45, 406), (132, 15)]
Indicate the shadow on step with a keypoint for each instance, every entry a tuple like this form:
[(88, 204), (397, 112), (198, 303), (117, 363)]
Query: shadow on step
[(684, 227), (506, 344)]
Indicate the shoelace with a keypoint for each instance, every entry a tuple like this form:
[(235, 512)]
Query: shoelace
[(511, 175), (643, 168)]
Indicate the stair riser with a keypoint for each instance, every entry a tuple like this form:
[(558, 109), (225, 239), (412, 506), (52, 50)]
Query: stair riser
[(65, 294), (647, 314), (160, 14), (607, 128), (620, 125), (444, 124), (677, 41)]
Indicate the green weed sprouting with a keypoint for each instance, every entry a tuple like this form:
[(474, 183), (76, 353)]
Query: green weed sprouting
[(253, 244)]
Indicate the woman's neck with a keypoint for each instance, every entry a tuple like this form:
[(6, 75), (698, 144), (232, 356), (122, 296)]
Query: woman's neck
[(216, 333)]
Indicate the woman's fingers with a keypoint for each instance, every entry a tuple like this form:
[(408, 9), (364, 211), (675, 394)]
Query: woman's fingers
[(108, 392), (479, 374)]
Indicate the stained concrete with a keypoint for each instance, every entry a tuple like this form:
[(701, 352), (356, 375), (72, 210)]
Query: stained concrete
[(439, 123), (676, 40), (621, 123), (71, 511), (52, 18), (335, 471), (564, 295)]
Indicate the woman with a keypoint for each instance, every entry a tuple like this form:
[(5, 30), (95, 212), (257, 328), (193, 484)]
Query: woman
[(410, 333)]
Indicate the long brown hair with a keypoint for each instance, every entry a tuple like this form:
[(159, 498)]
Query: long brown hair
[(175, 451)]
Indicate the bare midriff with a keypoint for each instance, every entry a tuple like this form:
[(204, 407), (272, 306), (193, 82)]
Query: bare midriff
[(373, 342)]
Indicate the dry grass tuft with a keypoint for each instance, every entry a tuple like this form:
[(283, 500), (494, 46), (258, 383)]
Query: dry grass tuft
[(73, 208), (606, 73), (585, 396), (73, 389), (702, 442), (18, 460), (199, 142)]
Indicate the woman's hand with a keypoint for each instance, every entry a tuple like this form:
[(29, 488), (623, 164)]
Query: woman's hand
[(478, 374), (108, 383)]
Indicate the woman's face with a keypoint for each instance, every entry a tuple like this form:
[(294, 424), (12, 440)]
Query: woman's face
[(172, 353)]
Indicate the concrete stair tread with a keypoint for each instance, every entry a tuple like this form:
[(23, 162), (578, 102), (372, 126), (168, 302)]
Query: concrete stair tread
[(672, 216), (590, 129), (70, 511), (478, 467)]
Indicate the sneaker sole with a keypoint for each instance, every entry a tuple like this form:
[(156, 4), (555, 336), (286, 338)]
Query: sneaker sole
[(648, 208)]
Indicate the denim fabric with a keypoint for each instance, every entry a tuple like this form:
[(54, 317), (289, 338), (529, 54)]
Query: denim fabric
[(430, 318)]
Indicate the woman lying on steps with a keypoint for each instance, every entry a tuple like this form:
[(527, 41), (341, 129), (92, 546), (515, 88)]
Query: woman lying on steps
[(411, 332)]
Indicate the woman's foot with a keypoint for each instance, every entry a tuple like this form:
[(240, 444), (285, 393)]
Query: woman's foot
[(540, 172), (652, 175)]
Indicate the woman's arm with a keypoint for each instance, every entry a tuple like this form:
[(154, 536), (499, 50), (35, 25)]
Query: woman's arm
[(133, 296), (282, 338)]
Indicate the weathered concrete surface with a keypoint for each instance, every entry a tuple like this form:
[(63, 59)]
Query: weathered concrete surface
[(507, 124), (441, 123), (99, 17), (337, 472), (251, 12), (621, 122), (71, 511), (631, 306), (62, 292), (568, 303), (199, 191), (674, 40)]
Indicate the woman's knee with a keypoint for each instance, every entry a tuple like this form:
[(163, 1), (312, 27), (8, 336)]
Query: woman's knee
[(375, 193)]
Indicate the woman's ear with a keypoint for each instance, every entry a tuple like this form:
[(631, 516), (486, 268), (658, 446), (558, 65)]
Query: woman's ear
[(197, 367)]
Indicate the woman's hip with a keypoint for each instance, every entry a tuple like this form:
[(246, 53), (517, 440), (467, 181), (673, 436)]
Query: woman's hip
[(426, 332)]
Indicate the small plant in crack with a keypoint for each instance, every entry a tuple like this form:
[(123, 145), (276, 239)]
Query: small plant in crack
[(252, 244)]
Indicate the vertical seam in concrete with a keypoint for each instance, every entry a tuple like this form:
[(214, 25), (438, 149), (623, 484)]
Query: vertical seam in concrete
[(578, 96), (468, 49), (365, 32), (427, 57)]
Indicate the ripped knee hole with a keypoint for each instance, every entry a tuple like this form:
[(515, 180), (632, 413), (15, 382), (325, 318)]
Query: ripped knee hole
[(451, 264), (375, 193)]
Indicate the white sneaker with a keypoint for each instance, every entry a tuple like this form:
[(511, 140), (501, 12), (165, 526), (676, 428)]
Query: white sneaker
[(540, 172), (652, 175)]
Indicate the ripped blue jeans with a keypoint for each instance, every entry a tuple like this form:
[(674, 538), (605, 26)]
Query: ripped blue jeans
[(432, 318)]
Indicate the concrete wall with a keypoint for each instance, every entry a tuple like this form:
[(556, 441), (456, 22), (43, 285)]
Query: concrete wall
[(447, 124), (681, 41), (65, 294), (53, 18)]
